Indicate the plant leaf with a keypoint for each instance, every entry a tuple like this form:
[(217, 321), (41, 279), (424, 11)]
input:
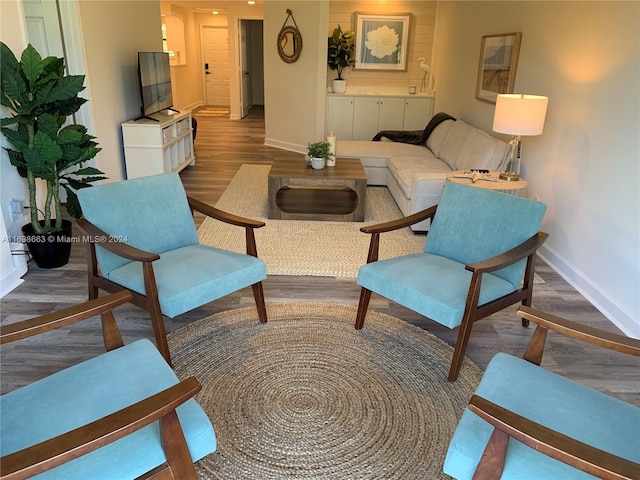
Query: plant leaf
[(31, 63)]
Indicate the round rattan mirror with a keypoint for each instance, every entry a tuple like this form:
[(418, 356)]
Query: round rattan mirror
[(289, 44)]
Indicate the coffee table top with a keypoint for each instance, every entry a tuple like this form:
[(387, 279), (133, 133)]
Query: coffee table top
[(347, 168)]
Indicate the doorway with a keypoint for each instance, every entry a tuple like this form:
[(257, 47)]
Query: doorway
[(216, 66), (251, 64)]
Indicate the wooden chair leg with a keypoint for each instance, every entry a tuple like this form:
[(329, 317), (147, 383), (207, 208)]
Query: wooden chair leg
[(258, 295), (363, 304), (157, 323), (461, 346)]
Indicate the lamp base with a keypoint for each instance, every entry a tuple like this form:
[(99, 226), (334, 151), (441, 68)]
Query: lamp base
[(509, 176)]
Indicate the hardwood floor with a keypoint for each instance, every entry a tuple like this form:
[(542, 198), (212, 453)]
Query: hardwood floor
[(221, 147)]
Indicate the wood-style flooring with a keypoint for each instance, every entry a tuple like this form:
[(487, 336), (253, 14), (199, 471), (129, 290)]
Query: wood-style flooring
[(221, 147)]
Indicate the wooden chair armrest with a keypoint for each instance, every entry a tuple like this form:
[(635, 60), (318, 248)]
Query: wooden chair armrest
[(64, 448), (223, 216), (99, 237), (61, 318), (549, 442), (595, 336), (520, 252), (401, 222)]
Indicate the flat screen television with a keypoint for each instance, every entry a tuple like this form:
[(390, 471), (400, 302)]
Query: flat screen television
[(154, 74)]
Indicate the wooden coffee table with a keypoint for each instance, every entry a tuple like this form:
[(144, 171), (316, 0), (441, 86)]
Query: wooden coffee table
[(298, 192)]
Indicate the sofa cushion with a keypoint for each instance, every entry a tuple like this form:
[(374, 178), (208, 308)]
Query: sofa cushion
[(453, 142), (434, 141), (405, 169), (481, 151), (366, 149)]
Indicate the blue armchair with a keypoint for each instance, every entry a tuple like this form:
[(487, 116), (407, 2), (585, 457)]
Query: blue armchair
[(141, 237), (479, 257), (524, 421), (119, 415)]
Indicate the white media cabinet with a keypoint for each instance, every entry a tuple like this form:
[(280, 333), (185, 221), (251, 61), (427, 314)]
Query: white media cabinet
[(153, 147)]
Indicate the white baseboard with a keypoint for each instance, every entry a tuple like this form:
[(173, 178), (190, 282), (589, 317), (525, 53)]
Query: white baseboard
[(270, 142), (10, 280), (619, 315)]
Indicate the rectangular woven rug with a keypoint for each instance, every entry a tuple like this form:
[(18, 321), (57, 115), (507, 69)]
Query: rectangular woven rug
[(300, 247)]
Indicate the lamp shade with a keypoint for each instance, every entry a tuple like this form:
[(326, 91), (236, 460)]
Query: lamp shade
[(519, 114)]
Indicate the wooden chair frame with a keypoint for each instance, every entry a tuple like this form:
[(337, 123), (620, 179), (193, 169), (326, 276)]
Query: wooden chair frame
[(472, 312), (507, 424), (64, 448), (150, 301)]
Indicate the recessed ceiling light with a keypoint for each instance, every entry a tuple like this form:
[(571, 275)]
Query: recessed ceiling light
[(251, 2), (215, 12)]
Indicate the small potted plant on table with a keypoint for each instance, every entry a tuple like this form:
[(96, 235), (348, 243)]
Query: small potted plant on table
[(319, 153)]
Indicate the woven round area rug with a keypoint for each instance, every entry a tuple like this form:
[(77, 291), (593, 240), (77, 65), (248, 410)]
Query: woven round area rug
[(306, 396)]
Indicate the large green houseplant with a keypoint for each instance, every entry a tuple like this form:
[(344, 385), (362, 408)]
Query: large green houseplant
[(341, 54), (40, 97)]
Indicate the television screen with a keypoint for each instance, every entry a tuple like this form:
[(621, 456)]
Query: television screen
[(155, 81)]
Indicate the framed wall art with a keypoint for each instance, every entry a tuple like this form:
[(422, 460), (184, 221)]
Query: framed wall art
[(382, 41), (498, 64)]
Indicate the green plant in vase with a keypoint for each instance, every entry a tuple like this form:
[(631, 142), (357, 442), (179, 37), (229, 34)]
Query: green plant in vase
[(318, 154), (40, 97), (340, 55)]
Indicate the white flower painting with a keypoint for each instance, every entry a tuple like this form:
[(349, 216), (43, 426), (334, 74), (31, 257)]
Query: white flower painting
[(381, 41)]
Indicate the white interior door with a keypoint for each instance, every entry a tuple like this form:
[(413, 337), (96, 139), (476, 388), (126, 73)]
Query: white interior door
[(245, 72), (216, 65), (43, 27)]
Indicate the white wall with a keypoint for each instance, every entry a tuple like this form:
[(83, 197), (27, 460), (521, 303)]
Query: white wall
[(295, 92), (114, 32), (585, 166), (13, 33)]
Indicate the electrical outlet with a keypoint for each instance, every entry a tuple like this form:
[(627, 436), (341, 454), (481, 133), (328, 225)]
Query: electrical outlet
[(16, 208)]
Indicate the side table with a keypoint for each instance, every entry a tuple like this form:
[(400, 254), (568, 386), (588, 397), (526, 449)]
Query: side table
[(517, 187)]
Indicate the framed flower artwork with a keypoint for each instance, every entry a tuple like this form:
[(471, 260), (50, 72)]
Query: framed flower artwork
[(382, 41)]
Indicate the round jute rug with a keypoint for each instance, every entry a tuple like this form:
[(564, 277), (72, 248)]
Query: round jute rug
[(306, 396)]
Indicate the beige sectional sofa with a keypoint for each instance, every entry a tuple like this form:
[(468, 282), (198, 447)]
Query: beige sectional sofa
[(416, 174)]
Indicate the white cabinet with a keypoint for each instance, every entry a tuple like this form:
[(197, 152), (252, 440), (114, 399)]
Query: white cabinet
[(417, 112), (361, 116), (372, 114), (340, 116), (153, 147)]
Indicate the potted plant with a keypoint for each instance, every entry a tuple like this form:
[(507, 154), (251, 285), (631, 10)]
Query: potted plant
[(40, 97), (318, 154), (341, 54)]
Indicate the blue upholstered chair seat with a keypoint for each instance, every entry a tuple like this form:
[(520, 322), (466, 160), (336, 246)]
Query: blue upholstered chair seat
[(564, 406), (434, 286), (191, 276), (91, 390)]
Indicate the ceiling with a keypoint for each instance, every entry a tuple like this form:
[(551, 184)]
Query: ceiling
[(207, 6)]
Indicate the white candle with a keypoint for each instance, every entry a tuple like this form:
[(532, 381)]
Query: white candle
[(331, 140)]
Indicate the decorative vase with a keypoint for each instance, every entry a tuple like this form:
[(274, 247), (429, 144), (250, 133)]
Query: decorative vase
[(49, 250), (339, 85), (317, 163)]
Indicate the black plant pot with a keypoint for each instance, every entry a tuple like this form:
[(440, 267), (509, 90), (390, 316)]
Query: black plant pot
[(49, 250)]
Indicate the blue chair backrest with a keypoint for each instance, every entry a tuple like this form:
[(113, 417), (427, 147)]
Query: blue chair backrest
[(150, 213), (473, 224)]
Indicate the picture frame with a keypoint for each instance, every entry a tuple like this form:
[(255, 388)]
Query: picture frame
[(382, 41), (498, 65)]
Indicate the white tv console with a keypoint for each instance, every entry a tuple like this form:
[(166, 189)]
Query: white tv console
[(153, 147)]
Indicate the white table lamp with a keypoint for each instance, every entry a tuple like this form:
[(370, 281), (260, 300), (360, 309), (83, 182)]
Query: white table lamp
[(517, 115)]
